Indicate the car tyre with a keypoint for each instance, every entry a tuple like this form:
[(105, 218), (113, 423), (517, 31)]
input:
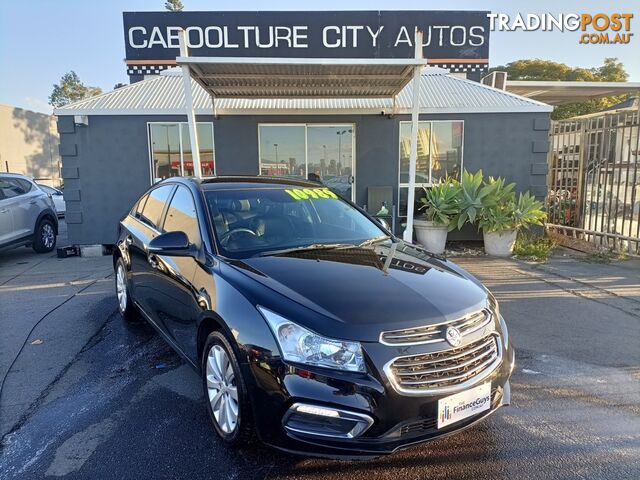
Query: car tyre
[(226, 392), (126, 306), (44, 238)]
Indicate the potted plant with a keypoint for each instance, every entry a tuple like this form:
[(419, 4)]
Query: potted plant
[(472, 194), (502, 215), (439, 206)]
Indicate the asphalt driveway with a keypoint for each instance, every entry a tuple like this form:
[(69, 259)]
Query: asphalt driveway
[(125, 406)]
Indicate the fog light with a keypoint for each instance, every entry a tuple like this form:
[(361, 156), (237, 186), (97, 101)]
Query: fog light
[(325, 421)]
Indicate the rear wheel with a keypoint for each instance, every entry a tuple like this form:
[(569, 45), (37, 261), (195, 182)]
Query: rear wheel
[(44, 239), (125, 302), (226, 393)]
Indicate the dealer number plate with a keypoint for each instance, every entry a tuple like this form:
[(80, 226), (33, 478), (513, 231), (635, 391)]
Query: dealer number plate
[(462, 405)]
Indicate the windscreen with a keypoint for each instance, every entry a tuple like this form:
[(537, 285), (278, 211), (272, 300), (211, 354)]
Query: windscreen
[(253, 221)]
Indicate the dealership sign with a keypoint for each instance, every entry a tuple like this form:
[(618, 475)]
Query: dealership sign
[(458, 40)]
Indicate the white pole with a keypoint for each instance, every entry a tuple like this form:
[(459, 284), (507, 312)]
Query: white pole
[(413, 155), (188, 98)]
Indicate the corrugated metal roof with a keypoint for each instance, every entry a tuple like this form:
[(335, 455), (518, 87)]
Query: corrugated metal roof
[(440, 93)]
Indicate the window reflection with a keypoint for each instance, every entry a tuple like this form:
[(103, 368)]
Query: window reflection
[(171, 152), (440, 147), (317, 152), (282, 151), (165, 150)]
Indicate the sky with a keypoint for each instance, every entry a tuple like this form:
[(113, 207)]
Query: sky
[(40, 40)]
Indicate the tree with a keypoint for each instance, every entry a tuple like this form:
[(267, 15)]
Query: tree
[(71, 89), (174, 5), (610, 71)]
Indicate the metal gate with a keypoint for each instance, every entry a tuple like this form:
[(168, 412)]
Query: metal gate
[(594, 179)]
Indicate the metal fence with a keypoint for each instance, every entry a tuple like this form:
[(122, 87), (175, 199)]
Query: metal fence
[(594, 179)]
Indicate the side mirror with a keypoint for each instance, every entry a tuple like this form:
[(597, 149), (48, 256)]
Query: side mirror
[(384, 223), (174, 244)]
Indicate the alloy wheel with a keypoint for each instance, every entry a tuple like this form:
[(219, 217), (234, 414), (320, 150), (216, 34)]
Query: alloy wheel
[(222, 389), (121, 288), (48, 235)]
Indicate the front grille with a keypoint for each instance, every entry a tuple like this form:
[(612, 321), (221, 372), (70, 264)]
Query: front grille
[(447, 370), (436, 333)]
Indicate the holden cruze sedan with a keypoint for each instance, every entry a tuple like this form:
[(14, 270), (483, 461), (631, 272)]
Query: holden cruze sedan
[(311, 325)]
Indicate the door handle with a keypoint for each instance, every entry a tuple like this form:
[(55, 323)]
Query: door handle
[(4, 210), (33, 202)]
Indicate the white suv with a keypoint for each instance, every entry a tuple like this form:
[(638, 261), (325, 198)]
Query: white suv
[(27, 214)]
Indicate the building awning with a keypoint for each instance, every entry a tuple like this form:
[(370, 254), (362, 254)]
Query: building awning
[(560, 93), (301, 77)]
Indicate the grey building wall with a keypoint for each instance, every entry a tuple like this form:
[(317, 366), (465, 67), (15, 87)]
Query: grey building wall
[(106, 164)]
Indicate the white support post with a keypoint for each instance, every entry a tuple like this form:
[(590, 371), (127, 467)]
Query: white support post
[(413, 155), (188, 98)]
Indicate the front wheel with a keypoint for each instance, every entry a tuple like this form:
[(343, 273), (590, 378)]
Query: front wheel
[(125, 303), (226, 393), (44, 239)]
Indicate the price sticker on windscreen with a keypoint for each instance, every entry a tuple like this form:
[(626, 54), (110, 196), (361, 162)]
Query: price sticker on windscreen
[(309, 193)]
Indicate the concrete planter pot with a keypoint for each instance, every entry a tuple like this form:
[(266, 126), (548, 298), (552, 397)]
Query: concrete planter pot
[(500, 244), (431, 235)]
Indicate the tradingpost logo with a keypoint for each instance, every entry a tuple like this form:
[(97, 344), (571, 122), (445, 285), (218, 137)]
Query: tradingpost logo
[(592, 28)]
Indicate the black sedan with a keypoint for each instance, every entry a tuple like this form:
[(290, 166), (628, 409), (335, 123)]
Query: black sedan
[(312, 326)]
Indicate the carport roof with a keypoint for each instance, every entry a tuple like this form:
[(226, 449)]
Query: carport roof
[(440, 92), (301, 77)]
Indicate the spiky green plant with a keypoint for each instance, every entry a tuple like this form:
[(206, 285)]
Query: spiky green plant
[(439, 203), (473, 194)]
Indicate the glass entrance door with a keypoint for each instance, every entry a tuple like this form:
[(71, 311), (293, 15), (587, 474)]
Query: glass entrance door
[(330, 156), (310, 151)]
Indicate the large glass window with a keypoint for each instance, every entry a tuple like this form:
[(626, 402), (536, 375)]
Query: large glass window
[(440, 145), (282, 151), (322, 152), (171, 153), (181, 215)]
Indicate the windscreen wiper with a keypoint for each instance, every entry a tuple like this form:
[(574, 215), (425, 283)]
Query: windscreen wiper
[(374, 240), (305, 248)]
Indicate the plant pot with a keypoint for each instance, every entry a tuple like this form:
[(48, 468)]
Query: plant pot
[(500, 244), (431, 235)]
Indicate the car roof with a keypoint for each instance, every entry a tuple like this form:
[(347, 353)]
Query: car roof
[(16, 175), (244, 181)]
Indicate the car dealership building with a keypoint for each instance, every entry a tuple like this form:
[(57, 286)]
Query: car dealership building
[(267, 100)]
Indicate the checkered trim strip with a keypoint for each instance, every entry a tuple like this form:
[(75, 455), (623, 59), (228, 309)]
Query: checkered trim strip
[(146, 69), (462, 67)]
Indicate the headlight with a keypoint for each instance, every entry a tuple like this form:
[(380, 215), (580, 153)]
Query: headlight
[(300, 345)]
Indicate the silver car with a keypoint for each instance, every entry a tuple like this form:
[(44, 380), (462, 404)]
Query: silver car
[(27, 214)]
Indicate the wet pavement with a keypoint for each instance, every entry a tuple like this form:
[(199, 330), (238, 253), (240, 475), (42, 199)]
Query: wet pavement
[(128, 407)]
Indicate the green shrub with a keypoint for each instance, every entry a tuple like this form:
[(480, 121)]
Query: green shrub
[(533, 247), (440, 203)]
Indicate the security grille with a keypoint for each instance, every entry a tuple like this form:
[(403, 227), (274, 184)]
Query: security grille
[(594, 179), (446, 370), (436, 333)]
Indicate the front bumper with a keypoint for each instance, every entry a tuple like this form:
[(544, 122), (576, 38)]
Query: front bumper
[(398, 421)]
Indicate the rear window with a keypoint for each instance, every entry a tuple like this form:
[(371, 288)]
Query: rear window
[(154, 206)]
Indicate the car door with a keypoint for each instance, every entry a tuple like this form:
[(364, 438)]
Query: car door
[(15, 209), (139, 234), (7, 233), (31, 204), (175, 301)]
